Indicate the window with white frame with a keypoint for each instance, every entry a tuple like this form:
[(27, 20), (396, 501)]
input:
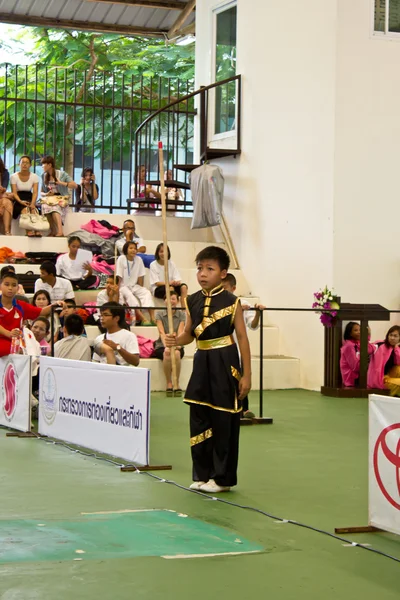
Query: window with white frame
[(387, 17), (225, 67)]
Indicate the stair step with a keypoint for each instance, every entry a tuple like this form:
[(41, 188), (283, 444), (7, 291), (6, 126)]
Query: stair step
[(170, 183), (213, 153), (187, 168)]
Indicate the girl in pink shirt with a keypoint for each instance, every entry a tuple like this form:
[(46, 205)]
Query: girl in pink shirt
[(383, 372), (350, 354)]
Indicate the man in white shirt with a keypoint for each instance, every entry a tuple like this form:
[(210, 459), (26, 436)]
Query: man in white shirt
[(118, 346), (58, 288), (129, 235)]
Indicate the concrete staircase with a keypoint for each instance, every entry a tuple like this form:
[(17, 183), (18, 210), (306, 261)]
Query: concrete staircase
[(280, 372)]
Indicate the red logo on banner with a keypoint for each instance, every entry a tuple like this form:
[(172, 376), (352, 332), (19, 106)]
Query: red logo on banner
[(9, 391), (392, 457)]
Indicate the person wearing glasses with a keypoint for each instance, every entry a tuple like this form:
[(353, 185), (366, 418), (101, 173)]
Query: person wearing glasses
[(118, 345)]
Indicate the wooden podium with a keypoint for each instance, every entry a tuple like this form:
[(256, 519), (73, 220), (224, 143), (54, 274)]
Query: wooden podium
[(362, 313)]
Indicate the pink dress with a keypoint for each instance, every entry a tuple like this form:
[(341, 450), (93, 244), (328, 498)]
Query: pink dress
[(376, 371), (350, 361)]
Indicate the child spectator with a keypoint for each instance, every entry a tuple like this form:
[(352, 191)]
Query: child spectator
[(87, 192), (350, 354), (42, 299), (129, 235), (216, 387), (10, 268), (41, 329), (252, 321), (57, 287), (118, 346), (115, 292), (382, 371), (13, 312), (69, 309), (74, 346), (75, 265), (163, 353), (131, 270), (142, 189), (157, 276)]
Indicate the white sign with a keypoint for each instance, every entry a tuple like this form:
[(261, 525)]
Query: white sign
[(384, 463), (101, 407), (15, 380)]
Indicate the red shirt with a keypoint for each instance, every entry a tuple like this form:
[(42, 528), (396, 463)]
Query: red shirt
[(13, 318)]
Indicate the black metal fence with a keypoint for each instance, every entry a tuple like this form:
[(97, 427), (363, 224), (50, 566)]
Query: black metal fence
[(88, 119)]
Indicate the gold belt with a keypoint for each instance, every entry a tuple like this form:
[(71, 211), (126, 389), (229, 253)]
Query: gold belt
[(221, 342)]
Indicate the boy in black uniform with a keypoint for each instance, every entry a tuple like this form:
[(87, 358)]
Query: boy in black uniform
[(217, 386)]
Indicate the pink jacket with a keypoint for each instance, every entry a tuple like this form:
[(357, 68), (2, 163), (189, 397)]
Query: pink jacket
[(376, 371), (350, 361), (95, 227)]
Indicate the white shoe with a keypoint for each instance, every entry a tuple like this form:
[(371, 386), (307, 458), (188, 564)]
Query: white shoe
[(213, 488), (196, 485)]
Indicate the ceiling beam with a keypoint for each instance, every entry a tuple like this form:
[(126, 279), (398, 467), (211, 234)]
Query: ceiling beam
[(183, 17), (52, 23), (188, 30), (166, 4)]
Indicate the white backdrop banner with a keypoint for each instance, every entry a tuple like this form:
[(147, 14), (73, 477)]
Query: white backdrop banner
[(101, 407), (15, 378), (384, 463)]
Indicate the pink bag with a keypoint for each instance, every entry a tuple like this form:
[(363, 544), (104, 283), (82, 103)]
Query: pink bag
[(146, 347), (95, 227)]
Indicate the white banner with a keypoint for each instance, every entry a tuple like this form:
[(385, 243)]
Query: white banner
[(101, 407), (15, 379), (384, 463)]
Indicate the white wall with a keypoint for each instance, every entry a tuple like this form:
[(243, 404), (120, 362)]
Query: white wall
[(367, 196), (279, 193)]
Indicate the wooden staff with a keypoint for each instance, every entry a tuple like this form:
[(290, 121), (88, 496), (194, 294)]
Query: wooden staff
[(166, 270), (115, 263)]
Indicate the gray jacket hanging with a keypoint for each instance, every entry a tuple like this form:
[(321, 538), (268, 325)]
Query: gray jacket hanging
[(207, 187)]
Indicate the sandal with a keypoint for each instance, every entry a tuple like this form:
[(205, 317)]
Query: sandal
[(169, 392), (38, 234), (178, 393), (30, 234)]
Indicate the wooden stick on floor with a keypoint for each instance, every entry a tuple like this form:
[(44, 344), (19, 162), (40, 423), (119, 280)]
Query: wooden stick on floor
[(166, 270)]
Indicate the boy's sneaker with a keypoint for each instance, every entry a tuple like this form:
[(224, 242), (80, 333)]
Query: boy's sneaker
[(213, 488), (196, 485), (248, 415)]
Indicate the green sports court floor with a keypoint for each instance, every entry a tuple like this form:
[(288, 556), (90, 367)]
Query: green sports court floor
[(75, 528)]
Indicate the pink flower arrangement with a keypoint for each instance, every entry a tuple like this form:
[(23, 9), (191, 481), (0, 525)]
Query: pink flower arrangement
[(326, 300)]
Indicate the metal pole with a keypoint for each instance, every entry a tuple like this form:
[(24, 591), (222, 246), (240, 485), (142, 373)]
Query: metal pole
[(261, 360)]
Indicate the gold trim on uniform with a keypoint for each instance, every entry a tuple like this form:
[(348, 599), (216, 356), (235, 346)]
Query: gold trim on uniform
[(207, 303), (197, 439), (234, 310), (219, 314), (236, 373), (214, 292), (221, 342), (229, 410)]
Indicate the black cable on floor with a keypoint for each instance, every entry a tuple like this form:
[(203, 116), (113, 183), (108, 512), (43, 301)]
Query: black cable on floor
[(215, 498)]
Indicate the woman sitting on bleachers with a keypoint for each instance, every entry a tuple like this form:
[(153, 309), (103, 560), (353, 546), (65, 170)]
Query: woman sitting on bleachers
[(75, 265), (55, 183), (41, 299), (157, 276), (6, 204), (87, 192), (25, 187)]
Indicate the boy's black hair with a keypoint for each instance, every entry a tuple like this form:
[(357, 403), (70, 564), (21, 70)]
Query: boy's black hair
[(117, 278), (74, 238), (171, 293), (45, 321), (349, 330), (70, 302), (157, 252), (49, 267), (391, 330), (9, 274), (117, 310), (6, 269), (74, 325), (231, 279), (126, 246), (214, 253)]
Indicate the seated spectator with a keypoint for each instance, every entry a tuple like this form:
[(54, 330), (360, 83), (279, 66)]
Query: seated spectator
[(129, 235), (57, 287), (87, 192), (75, 266), (41, 329), (251, 317), (69, 309), (383, 370), (350, 354), (157, 276), (142, 190), (118, 346), (131, 270), (163, 353), (42, 299), (173, 193), (74, 345), (25, 188), (55, 183), (10, 268), (6, 199), (115, 292)]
